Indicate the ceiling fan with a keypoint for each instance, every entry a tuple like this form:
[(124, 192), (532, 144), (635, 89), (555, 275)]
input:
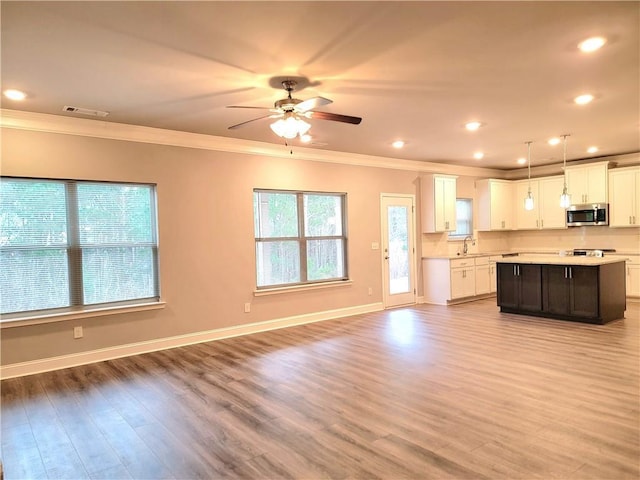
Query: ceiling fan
[(291, 113)]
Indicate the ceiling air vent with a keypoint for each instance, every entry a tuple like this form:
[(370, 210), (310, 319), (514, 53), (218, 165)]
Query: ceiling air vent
[(84, 111)]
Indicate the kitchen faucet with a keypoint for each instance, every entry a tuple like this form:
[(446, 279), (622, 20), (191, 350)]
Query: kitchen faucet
[(465, 247)]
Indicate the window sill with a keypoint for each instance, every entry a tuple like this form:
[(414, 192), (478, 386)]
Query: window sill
[(301, 288), (77, 314)]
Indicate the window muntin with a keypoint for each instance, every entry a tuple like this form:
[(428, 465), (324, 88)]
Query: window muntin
[(464, 218), (65, 244), (300, 237)]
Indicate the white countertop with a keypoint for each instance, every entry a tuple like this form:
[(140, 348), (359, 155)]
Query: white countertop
[(559, 260)]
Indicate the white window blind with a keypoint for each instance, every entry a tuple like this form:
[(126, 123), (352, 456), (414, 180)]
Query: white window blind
[(67, 244)]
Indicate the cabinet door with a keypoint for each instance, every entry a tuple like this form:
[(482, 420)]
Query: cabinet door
[(583, 291), (624, 207), (469, 282), (555, 289), (530, 279), (526, 219), (501, 206), (552, 215), (457, 283), (449, 203), (633, 280), (493, 278), (577, 183), (597, 184), (507, 285), (483, 279)]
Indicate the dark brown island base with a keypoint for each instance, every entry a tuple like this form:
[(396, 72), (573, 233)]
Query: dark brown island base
[(582, 289)]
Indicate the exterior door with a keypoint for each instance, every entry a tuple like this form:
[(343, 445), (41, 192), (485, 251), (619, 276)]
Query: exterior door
[(398, 250)]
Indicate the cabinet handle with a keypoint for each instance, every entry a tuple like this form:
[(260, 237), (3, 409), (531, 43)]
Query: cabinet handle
[(630, 221), (570, 272), (542, 223), (536, 223), (565, 272)]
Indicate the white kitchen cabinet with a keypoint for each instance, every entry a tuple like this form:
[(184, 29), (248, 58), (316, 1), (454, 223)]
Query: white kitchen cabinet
[(588, 183), (438, 206), (547, 212), (526, 219), (482, 276), (633, 279), (495, 204), (552, 215), (493, 275), (624, 205), (450, 280)]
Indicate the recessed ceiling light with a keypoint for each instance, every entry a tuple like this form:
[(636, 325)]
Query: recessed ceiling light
[(15, 94), (306, 138), (554, 141), (398, 144), (478, 155), (522, 161), (473, 126), (592, 44), (583, 99), (592, 149)]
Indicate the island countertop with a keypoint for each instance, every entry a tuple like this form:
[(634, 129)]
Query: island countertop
[(568, 260)]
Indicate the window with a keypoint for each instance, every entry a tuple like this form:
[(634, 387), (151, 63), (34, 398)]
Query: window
[(464, 218), (66, 244), (300, 237)]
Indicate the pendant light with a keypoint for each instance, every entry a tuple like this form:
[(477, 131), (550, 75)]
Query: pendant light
[(565, 198), (528, 201)]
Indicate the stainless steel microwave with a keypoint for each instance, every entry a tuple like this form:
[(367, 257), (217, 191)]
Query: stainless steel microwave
[(588, 214)]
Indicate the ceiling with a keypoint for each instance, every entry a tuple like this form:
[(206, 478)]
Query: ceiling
[(416, 71)]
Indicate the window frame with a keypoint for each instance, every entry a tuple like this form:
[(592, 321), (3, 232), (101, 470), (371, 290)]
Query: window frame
[(453, 236), (74, 253), (302, 240)]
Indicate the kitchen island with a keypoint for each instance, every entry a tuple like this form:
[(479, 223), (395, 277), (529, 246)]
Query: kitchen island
[(583, 289)]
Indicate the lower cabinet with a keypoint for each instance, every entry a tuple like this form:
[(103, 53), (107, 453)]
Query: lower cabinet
[(519, 286), (594, 294), (570, 290), (457, 279)]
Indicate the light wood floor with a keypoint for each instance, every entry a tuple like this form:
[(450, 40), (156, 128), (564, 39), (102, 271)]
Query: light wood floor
[(426, 392)]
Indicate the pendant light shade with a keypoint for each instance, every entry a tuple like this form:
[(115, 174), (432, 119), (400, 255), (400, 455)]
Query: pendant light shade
[(565, 198), (528, 201)]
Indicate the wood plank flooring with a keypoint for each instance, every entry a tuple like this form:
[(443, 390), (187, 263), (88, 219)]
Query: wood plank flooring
[(423, 392)]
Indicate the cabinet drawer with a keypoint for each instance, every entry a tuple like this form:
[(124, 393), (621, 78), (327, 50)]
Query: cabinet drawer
[(481, 261), (461, 262)]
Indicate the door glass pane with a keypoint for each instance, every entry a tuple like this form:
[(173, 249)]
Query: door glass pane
[(398, 249)]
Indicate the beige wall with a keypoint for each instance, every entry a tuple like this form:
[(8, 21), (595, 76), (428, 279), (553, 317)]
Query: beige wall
[(205, 235)]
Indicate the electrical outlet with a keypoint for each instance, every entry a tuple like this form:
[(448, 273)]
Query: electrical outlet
[(247, 307), (370, 291), (77, 332)]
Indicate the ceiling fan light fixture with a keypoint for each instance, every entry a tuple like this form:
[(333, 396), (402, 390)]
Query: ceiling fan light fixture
[(290, 127)]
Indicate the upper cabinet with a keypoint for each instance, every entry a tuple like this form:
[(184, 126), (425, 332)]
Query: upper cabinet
[(624, 209), (438, 203), (547, 212), (588, 183), (495, 204), (552, 215), (526, 219)]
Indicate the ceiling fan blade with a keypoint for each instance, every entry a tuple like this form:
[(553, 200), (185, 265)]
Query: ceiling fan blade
[(242, 106), (312, 103), (336, 117), (238, 125)]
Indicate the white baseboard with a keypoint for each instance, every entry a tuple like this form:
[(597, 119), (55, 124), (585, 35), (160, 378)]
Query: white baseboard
[(73, 360)]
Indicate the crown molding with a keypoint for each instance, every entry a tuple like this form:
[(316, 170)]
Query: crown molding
[(41, 122)]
